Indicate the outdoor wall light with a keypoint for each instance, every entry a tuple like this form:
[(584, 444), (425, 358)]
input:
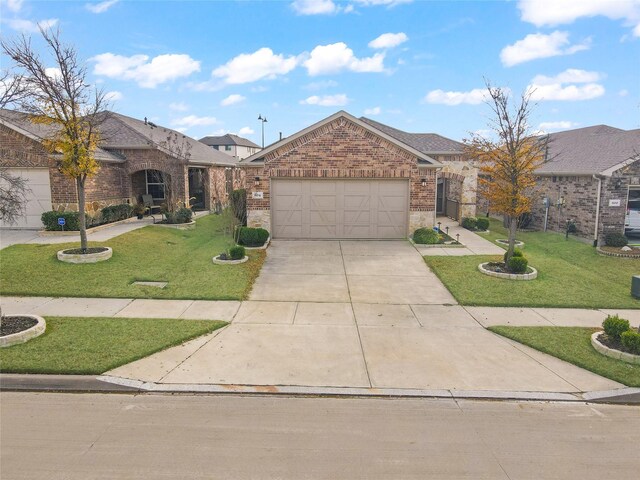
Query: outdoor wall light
[(256, 181), (423, 182), (617, 184)]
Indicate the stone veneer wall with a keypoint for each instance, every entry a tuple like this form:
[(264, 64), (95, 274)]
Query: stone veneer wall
[(342, 149)]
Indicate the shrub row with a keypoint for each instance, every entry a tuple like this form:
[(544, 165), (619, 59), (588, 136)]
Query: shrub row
[(115, 213), (618, 329), (615, 239), (473, 223), (252, 237), (110, 214)]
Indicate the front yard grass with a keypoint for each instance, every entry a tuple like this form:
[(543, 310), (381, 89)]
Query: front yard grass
[(573, 345), (180, 257), (570, 274), (91, 346)]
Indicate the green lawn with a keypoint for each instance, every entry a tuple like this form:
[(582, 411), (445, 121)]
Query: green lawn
[(180, 257), (570, 274), (91, 346), (573, 345)]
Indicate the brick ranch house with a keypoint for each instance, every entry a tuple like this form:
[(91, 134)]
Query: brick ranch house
[(589, 176), (345, 177), (136, 157)]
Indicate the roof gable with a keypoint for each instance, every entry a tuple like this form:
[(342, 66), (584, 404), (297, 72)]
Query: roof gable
[(292, 141)]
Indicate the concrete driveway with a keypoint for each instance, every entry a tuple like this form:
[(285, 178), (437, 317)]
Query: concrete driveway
[(388, 272)]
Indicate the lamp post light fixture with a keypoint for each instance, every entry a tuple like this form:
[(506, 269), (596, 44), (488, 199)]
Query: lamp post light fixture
[(263, 120), (439, 230), (457, 238), (446, 230)]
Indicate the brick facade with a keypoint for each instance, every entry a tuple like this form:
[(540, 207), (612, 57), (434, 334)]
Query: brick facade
[(342, 149)]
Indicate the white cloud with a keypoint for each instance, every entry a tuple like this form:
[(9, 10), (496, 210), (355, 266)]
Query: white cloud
[(53, 72), (552, 12), (22, 25), (623, 93), (194, 121), (251, 67), (314, 7), (389, 3), (113, 96), (388, 40), (232, 99), (338, 100), (539, 45), (246, 131), (472, 97), (147, 74), (179, 106), (259, 89), (13, 5), (563, 86), (336, 57), (373, 111), (100, 7), (553, 126)]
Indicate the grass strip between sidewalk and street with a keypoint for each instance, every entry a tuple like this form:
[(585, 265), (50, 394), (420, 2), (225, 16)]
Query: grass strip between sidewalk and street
[(573, 345), (571, 274), (91, 346)]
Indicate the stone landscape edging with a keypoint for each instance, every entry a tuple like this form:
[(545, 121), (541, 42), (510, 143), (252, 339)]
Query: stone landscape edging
[(263, 247), (619, 255), (25, 335), (611, 352), (436, 245), (509, 276), (217, 261), (180, 226), (84, 257), (518, 243), (50, 233)]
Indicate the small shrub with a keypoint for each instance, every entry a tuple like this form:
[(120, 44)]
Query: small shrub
[(631, 341), (482, 224), (426, 236), (236, 253), (252, 237), (115, 213), (238, 204), (615, 239), (518, 265), (50, 220), (614, 326), (183, 215), (469, 223), (516, 253)]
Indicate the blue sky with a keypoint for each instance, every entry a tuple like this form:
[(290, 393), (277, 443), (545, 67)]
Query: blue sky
[(210, 67)]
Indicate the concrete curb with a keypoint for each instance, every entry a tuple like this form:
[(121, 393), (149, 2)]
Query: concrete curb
[(110, 384)]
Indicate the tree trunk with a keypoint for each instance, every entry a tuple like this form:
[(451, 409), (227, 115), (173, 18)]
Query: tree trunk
[(513, 225), (82, 220)]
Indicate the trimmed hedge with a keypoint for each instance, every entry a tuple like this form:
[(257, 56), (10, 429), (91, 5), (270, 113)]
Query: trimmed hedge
[(50, 220), (614, 326), (252, 237), (182, 215), (482, 223), (469, 223), (426, 236), (615, 239), (517, 264), (516, 253), (115, 213), (236, 253), (631, 341)]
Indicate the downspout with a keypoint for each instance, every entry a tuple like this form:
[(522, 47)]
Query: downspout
[(595, 232), (435, 205)]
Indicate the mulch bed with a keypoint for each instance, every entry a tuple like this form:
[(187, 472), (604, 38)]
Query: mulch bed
[(15, 324), (500, 267), (78, 251), (634, 252), (611, 343)]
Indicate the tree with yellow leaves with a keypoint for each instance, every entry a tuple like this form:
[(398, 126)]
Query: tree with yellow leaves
[(507, 163), (60, 97)]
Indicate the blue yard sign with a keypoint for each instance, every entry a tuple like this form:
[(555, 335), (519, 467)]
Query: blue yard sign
[(61, 222)]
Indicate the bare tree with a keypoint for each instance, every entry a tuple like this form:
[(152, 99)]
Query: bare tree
[(509, 162), (13, 196), (12, 88), (61, 98)]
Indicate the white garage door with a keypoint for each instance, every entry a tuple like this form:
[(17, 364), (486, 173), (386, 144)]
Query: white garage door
[(38, 197), (339, 208)]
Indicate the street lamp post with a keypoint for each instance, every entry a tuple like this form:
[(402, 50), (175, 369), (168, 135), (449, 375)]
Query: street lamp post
[(263, 120)]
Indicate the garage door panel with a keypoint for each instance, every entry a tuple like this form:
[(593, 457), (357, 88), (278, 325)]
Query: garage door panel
[(38, 197), (340, 208)]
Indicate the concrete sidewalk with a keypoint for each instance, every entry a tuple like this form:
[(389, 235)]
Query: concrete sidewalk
[(473, 243)]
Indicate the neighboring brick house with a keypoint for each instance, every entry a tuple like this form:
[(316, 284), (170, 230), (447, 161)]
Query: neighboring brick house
[(588, 177), (136, 157), (231, 144), (345, 177)]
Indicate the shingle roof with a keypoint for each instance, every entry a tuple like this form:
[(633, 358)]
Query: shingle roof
[(122, 131), (429, 143), (41, 131), (228, 139), (590, 150)]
